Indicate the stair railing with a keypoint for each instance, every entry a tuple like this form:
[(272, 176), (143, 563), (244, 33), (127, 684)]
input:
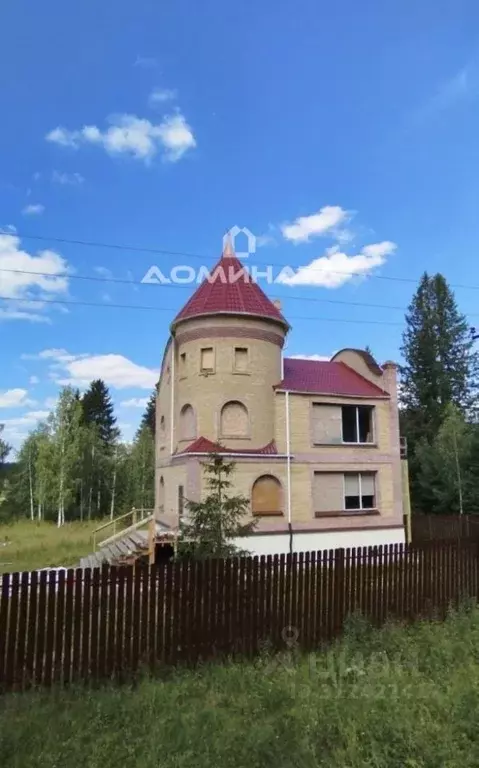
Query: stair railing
[(136, 515)]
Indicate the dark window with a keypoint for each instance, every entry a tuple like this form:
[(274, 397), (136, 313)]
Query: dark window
[(359, 490), (357, 423), (181, 501)]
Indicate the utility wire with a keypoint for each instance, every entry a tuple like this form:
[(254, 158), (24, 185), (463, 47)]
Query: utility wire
[(175, 309), (164, 252), (123, 281)]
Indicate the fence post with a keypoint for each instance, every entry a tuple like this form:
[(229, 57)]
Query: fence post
[(339, 601)]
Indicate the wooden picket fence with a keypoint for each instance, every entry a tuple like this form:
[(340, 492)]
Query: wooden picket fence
[(110, 623)]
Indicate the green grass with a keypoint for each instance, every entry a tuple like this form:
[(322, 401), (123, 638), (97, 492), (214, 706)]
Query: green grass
[(34, 545), (399, 698)]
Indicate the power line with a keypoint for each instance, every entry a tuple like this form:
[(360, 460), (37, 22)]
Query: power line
[(171, 309), (123, 281), (165, 252)]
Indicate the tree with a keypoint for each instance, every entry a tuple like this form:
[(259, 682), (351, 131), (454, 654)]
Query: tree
[(213, 524), (444, 466), (98, 409), (142, 469), (66, 424), (440, 364), (5, 448), (149, 417)]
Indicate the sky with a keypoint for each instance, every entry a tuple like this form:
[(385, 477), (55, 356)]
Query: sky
[(134, 135)]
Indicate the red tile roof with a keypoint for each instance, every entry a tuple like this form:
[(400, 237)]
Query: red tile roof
[(225, 292), (203, 445), (327, 378)]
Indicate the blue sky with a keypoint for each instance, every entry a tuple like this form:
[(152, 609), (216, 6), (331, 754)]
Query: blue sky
[(345, 133)]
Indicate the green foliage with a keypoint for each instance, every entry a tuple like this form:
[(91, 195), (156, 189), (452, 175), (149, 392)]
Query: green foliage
[(98, 410), (398, 698), (5, 448), (440, 364), (149, 417), (73, 467), (212, 525), (440, 371)]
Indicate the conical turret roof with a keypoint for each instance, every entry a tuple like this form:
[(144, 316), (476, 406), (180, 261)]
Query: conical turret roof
[(229, 290)]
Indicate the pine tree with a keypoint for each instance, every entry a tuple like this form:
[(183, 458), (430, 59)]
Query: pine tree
[(149, 417), (212, 525), (98, 409), (440, 364)]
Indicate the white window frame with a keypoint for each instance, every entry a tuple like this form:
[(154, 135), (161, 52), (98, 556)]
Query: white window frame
[(373, 425), (360, 508)]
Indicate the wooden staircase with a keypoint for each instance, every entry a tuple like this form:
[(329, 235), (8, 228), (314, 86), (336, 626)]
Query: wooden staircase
[(125, 545)]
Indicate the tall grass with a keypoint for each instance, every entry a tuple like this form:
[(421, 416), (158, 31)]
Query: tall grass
[(30, 545), (398, 698)]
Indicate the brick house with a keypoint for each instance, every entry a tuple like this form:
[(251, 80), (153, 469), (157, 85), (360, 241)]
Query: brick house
[(316, 444)]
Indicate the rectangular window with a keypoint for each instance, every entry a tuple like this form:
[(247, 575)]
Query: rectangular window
[(183, 364), (207, 361), (326, 427), (359, 490), (241, 360), (357, 424), (181, 501)]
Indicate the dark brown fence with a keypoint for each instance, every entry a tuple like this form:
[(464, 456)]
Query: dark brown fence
[(444, 528), (91, 625)]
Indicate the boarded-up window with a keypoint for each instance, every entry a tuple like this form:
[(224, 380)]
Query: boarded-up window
[(241, 359), (234, 421), (266, 497), (359, 490), (207, 362), (326, 424), (327, 492), (187, 423)]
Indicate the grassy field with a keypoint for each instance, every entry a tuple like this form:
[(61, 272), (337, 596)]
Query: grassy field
[(39, 545), (399, 698)]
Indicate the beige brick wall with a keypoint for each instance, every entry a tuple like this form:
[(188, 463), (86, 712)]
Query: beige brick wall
[(301, 434), (208, 393)]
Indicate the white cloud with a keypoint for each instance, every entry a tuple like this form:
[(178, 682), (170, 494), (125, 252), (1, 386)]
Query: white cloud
[(29, 276), (306, 227), (161, 95), (337, 268), (50, 403), (146, 62), (135, 402), (8, 229), (104, 272), (14, 398), (71, 179), (34, 209), (34, 380), (322, 358), (134, 136), (80, 369)]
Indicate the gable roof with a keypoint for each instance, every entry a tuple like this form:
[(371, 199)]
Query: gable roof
[(230, 290), (203, 445), (326, 378)]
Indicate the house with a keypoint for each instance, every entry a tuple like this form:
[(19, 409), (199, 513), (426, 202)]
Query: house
[(316, 444)]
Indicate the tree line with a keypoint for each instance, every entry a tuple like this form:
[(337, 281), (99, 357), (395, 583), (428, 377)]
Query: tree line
[(74, 466)]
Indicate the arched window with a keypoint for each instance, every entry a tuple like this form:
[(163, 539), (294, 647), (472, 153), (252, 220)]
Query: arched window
[(266, 496), (234, 420), (161, 495), (187, 423)]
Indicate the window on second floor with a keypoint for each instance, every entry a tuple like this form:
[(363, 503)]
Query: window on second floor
[(357, 424), (241, 360), (207, 360)]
